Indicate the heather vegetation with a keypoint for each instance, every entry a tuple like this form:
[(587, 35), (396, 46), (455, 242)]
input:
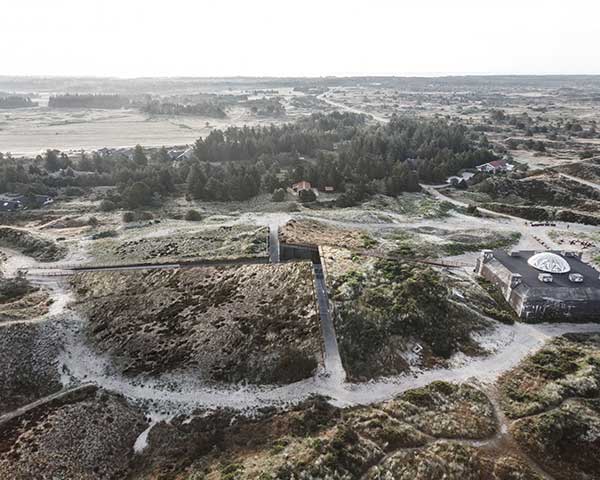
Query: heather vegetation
[(41, 249), (554, 396), (381, 308), (14, 288)]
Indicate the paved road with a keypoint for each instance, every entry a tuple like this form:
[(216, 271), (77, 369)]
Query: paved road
[(331, 354)]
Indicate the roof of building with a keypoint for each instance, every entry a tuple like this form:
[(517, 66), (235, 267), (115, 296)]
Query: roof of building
[(519, 263), (497, 163), (549, 262), (10, 205), (302, 184)]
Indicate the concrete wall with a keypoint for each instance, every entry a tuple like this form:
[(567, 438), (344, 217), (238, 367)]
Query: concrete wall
[(544, 308), (288, 251)]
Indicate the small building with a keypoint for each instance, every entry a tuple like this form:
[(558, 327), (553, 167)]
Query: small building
[(187, 154), (328, 189), (43, 199), (460, 180), (496, 166), (104, 151), (301, 185), (544, 286), (174, 153), (11, 202)]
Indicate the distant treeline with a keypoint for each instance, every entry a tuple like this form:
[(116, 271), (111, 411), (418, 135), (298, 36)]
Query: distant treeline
[(87, 101), (202, 109), (340, 150), (16, 101)]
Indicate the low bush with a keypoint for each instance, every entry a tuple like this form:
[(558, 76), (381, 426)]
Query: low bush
[(14, 288), (104, 234), (107, 206), (278, 195), (128, 217), (193, 215), (40, 248)]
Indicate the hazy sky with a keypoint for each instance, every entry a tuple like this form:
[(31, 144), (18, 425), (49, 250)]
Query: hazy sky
[(131, 38)]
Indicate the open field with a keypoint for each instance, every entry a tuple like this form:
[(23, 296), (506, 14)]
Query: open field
[(536, 111), (29, 132)]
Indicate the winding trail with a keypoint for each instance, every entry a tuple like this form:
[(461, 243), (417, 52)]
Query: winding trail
[(183, 393), (323, 97), (580, 180), (59, 398)]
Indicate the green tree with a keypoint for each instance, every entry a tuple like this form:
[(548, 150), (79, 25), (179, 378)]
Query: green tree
[(138, 195), (161, 156), (139, 157), (278, 195), (52, 162), (165, 181), (307, 196), (196, 182)]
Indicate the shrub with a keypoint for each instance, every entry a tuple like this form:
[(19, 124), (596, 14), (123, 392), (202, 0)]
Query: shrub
[(144, 215), (14, 288), (128, 217), (74, 192), (278, 195), (104, 234), (307, 196), (193, 215), (472, 210), (40, 248), (294, 365), (586, 154), (107, 206)]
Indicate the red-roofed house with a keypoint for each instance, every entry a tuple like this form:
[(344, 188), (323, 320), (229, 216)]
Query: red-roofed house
[(496, 166), (301, 185)]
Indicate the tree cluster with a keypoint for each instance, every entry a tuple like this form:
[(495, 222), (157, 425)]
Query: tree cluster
[(87, 101), (16, 101), (339, 150), (203, 109)]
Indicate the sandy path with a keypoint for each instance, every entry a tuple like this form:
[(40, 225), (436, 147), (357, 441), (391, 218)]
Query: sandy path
[(580, 180), (183, 393), (347, 108)]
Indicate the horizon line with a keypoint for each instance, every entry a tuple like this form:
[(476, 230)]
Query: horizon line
[(298, 77)]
